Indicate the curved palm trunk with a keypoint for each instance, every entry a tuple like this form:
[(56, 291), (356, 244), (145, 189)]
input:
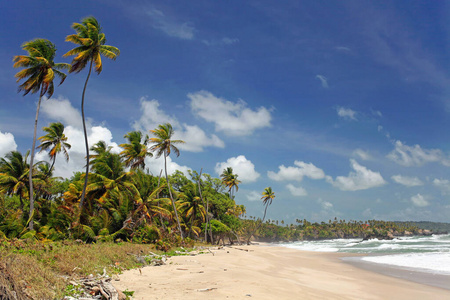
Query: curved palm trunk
[(257, 227), (171, 197), (30, 172), (203, 202), (83, 194)]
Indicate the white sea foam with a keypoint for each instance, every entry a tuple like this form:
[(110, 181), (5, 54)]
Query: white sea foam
[(435, 262), (426, 253)]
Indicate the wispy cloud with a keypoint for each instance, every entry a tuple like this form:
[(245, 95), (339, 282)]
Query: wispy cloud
[(409, 156), (346, 113), (323, 81), (223, 41), (407, 181), (170, 25)]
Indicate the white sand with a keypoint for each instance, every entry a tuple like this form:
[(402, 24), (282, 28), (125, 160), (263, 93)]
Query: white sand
[(268, 273)]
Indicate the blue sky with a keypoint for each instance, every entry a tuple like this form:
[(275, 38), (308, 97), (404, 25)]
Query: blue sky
[(342, 107)]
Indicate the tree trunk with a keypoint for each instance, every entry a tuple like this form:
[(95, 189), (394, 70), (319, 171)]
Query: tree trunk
[(171, 197), (30, 172), (157, 197), (203, 202), (83, 194), (257, 227)]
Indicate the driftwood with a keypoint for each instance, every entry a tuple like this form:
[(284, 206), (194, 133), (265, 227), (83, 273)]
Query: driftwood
[(108, 290)]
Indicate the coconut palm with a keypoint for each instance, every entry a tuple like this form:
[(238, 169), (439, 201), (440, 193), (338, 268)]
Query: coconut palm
[(56, 141), (230, 180), (39, 72), (91, 46), (191, 205), (13, 175), (163, 145), (267, 196), (134, 153)]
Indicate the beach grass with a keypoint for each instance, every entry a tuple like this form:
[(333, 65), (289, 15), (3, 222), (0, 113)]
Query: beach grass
[(44, 271)]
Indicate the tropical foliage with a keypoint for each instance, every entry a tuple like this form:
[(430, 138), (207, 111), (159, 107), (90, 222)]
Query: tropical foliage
[(39, 72)]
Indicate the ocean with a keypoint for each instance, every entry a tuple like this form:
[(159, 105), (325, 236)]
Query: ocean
[(428, 254)]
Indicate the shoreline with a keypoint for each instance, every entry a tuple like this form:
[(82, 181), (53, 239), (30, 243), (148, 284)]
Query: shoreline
[(268, 272), (426, 278)]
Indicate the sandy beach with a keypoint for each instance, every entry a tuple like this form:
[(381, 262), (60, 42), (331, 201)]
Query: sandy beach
[(262, 272)]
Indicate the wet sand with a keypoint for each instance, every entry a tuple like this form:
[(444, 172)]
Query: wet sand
[(269, 272)]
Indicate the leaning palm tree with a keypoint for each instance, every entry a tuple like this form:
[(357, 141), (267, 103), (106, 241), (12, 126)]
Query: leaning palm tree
[(135, 152), (56, 141), (267, 196), (91, 46), (39, 72), (163, 145)]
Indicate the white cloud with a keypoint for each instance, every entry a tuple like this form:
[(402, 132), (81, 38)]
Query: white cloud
[(254, 196), (7, 143), (296, 191), (234, 119), (244, 168), (155, 165), (419, 200), (346, 113), (364, 155), (416, 156), (408, 181), (361, 179), (61, 110), (195, 138), (443, 185), (170, 26), (325, 204), (296, 173), (323, 81)]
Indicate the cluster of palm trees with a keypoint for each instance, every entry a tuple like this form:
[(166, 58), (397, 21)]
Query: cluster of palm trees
[(123, 200), (119, 197), (40, 70)]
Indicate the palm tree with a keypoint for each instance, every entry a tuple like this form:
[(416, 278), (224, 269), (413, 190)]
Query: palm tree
[(191, 205), (230, 180), (91, 46), (39, 72), (13, 175), (163, 145), (134, 153), (267, 196), (56, 141)]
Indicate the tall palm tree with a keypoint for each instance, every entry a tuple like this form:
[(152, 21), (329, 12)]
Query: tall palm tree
[(13, 175), (163, 145), (135, 152), (39, 72), (230, 180), (56, 141), (91, 46), (267, 196)]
